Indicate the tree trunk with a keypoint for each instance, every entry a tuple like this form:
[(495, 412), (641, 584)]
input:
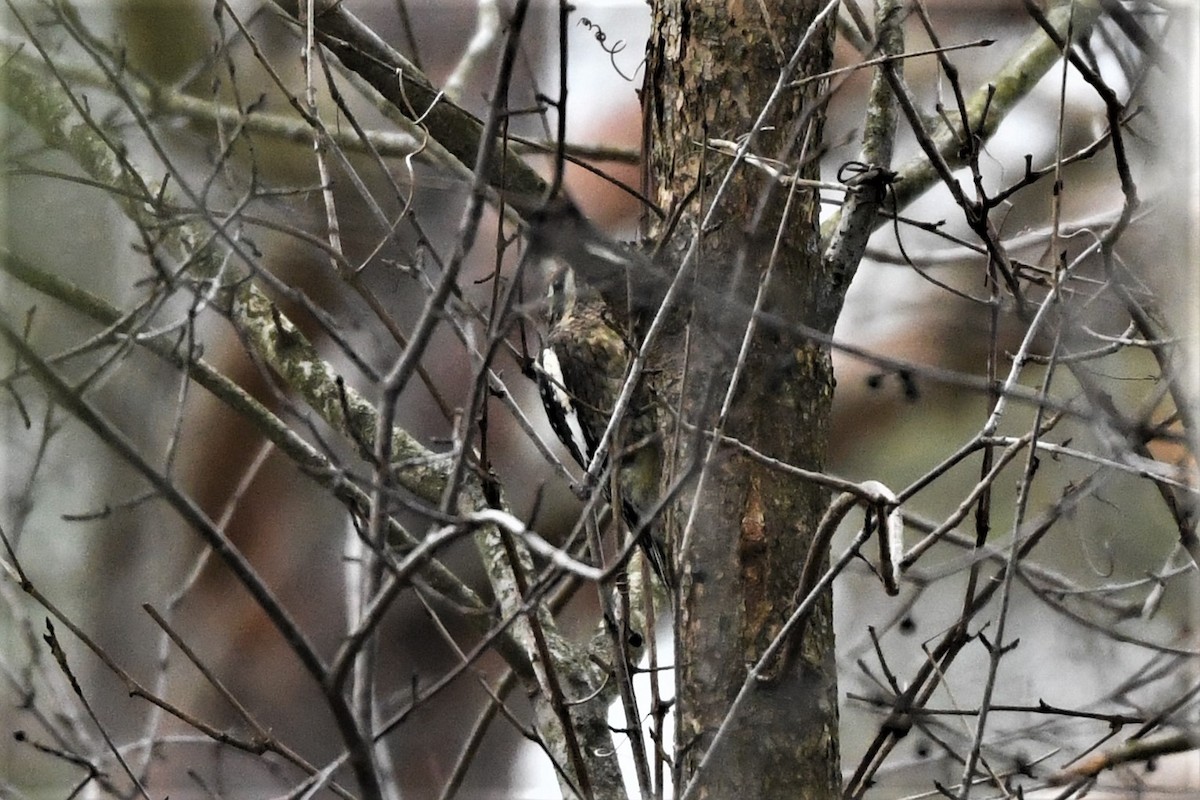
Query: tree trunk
[(745, 529)]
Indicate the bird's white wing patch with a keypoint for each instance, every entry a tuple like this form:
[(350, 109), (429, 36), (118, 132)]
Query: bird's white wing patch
[(560, 407)]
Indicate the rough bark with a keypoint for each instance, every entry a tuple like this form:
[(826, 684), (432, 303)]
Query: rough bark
[(711, 68)]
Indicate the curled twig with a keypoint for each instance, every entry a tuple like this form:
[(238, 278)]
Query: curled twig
[(602, 39)]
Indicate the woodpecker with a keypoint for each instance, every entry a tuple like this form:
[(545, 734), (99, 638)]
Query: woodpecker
[(582, 367)]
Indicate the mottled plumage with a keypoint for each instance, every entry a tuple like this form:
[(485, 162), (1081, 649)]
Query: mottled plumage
[(583, 367)]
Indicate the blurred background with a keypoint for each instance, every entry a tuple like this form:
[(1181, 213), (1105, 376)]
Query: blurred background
[(99, 545)]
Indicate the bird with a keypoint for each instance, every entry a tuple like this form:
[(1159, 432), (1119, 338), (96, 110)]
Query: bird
[(581, 368)]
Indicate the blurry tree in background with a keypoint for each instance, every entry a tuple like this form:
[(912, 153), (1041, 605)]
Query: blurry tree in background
[(282, 513)]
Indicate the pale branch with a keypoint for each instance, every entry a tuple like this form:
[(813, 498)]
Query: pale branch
[(931, 672), (48, 110), (487, 33), (848, 242), (988, 106), (1084, 771), (163, 101), (523, 630), (318, 466), (51, 109), (362, 51)]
